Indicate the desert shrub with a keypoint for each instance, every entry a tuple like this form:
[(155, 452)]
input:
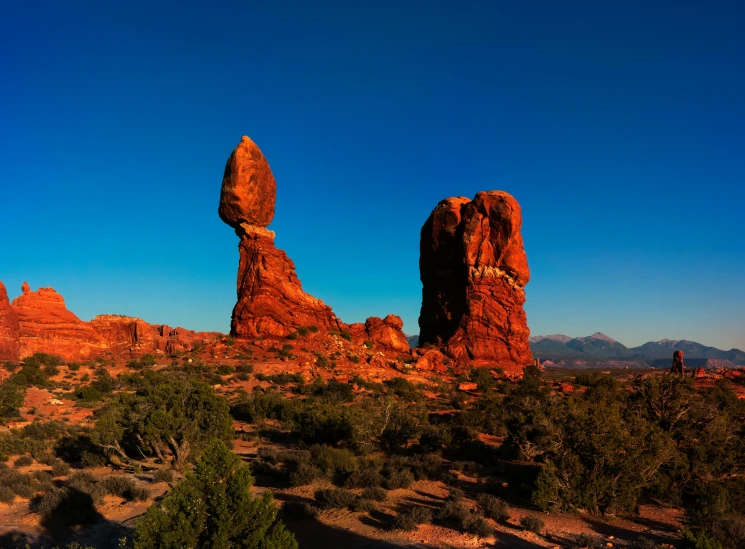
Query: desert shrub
[(11, 398), (305, 474), (23, 461), (7, 495), (147, 359), (411, 518), (283, 378), (369, 343), (22, 485), (492, 507), (225, 369), (476, 525), (404, 388), (334, 498), (434, 438), (313, 328), (163, 475), (452, 512), (333, 460), (60, 469), (363, 505), (346, 335), (44, 477), (73, 366), (532, 523), (643, 543), (244, 368), (375, 493), (455, 494), (88, 393), (354, 359), (302, 331), (369, 477), (397, 478), (699, 540), (586, 541), (298, 510), (124, 487), (213, 508)]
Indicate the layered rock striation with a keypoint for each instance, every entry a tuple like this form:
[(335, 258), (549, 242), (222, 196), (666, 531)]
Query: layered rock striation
[(473, 270)]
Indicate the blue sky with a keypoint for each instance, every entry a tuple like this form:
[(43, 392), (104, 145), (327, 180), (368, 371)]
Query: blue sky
[(619, 126)]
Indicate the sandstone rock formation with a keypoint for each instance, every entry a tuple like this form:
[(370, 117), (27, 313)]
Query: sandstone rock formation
[(473, 269), (271, 300), (47, 326), (248, 188), (43, 324), (9, 335)]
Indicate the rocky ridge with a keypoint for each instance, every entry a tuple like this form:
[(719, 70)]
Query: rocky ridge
[(44, 324)]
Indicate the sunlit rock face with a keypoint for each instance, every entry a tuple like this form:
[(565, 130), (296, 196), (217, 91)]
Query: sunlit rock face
[(473, 269), (9, 329)]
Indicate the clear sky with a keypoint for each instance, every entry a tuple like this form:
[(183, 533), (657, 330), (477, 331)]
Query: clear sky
[(619, 127)]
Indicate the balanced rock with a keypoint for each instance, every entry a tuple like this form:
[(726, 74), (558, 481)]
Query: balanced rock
[(473, 269), (271, 300), (248, 189), (9, 329)]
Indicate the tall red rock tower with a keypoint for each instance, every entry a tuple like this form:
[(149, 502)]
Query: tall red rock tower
[(473, 269), (271, 300)]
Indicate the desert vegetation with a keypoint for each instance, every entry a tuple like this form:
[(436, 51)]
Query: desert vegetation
[(501, 453)]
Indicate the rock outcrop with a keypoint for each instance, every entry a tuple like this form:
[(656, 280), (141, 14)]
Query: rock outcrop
[(473, 269), (43, 324), (9, 329), (387, 332), (271, 300), (46, 326)]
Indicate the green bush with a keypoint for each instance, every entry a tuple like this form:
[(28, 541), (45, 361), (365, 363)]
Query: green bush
[(225, 369), (333, 460), (363, 505), (212, 508), (699, 540)]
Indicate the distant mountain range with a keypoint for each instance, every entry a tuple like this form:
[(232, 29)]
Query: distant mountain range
[(599, 348)]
